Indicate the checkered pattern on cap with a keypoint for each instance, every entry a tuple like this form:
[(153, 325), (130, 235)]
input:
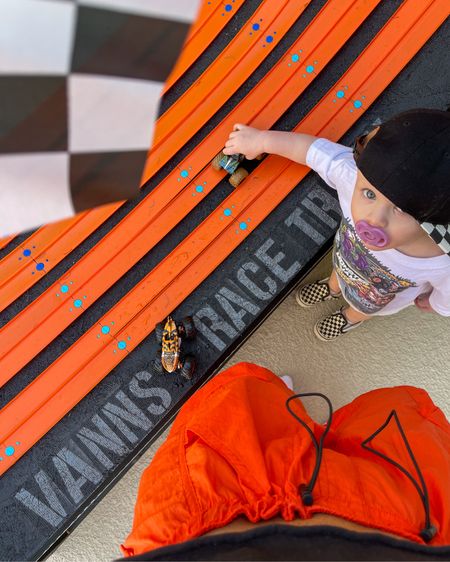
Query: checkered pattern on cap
[(440, 233), (80, 83)]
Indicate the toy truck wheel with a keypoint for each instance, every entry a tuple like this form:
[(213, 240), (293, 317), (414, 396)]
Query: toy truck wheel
[(239, 175), (216, 161), (188, 368), (159, 328), (157, 366), (189, 327)]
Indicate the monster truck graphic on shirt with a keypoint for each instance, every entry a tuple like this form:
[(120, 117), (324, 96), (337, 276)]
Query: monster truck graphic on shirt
[(365, 283)]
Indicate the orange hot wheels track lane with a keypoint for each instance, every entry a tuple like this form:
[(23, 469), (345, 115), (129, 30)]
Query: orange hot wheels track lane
[(185, 116), (28, 417), (50, 384), (36, 326)]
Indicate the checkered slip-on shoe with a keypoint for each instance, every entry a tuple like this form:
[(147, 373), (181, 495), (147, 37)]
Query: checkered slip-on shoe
[(312, 293), (333, 326)]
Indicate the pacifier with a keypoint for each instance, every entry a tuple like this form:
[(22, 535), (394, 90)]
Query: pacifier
[(372, 235)]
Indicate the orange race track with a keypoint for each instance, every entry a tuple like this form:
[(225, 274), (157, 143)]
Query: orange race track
[(55, 391)]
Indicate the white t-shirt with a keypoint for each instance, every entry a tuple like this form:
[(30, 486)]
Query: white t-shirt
[(374, 282)]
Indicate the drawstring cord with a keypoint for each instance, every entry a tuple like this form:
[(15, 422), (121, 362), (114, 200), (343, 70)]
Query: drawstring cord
[(306, 490), (430, 530)]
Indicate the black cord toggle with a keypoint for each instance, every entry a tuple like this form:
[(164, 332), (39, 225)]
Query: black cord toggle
[(428, 533), (306, 495)]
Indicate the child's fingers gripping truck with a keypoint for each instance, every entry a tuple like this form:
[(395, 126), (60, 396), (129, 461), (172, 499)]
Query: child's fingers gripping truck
[(170, 336), (232, 165)]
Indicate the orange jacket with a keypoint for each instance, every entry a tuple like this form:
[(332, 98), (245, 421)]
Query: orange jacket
[(234, 449)]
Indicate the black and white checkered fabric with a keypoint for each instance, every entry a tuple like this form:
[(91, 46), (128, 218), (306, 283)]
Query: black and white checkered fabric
[(80, 83), (333, 326), (440, 233), (313, 293)]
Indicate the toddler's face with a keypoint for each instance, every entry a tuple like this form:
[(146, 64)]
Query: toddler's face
[(371, 206)]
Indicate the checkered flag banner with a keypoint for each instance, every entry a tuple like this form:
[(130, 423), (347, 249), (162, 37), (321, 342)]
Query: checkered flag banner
[(440, 233), (80, 84)]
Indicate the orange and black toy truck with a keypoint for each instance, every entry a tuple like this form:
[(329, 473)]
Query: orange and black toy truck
[(170, 336)]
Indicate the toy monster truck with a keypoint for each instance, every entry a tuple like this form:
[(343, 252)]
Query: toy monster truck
[(231, 164), (170, 336)]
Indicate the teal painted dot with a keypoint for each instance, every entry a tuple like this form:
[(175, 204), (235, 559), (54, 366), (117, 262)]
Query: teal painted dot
[(77, 303), (122, 345), (227, 212), (184, 173), (357, 104), (228, 8), (310, 68), (295, 58), (243, 225), (269, 39), (340, 94), (64, 288), (40, 266), (27, 253), (199, 188), (255, 26), (9, 451), (105, 329)]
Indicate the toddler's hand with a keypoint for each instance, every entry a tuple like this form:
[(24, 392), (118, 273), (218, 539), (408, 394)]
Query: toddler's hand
[(245, 140), (423, 302)]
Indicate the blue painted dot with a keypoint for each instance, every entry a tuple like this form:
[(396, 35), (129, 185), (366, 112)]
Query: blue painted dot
[(105, 329), (199, 188), (184, 173), (269, 39), (295, 58), (255, 26), (40, 266), (122, 345), (310, 68), (340, 94), (227, 212), (228, 8), (78, 303), (64, 288), (9, 451), (243, 225), (27, 253), (357, 104)]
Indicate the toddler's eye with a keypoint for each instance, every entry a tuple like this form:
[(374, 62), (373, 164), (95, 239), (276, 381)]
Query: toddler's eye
[(369, 194)]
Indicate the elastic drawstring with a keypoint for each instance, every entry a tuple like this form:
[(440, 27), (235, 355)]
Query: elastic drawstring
[(430, 530), (305, 491)]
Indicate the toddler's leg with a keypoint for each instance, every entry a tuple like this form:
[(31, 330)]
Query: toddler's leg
[(333, 283), (354, 316)]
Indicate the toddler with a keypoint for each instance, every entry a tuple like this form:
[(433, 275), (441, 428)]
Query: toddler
[(392, 248)]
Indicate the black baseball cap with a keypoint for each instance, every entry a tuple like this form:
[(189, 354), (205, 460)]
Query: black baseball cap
[(408, 161)]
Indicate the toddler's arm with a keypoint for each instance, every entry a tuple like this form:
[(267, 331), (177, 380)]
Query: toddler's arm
[(252, 142)]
